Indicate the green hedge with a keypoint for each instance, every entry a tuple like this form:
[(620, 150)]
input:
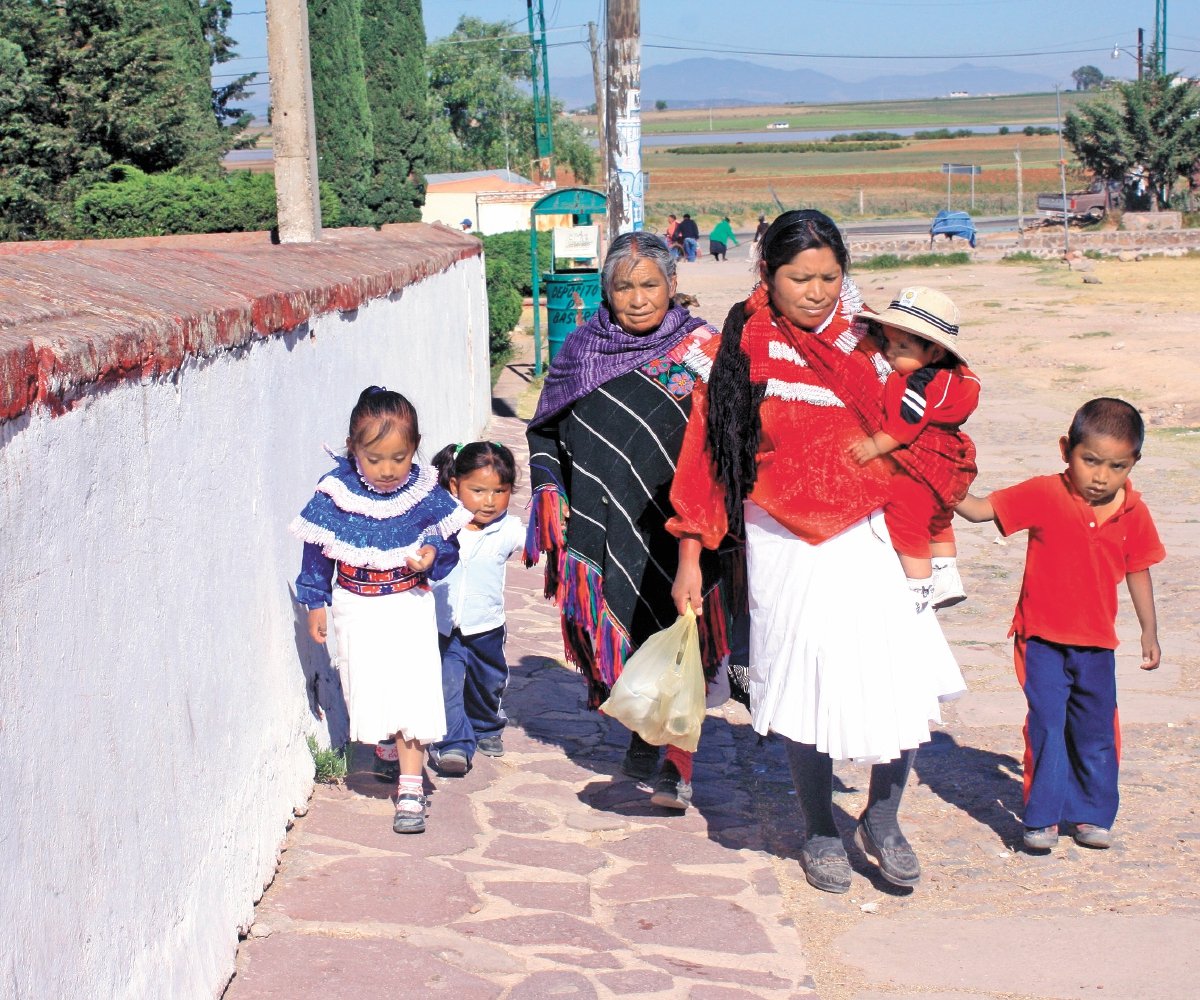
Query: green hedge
[(504, 307), (134, 203), (513, 249)]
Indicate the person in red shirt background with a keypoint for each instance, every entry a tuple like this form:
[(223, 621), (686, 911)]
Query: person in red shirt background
[(1088, 529), (927, 398)]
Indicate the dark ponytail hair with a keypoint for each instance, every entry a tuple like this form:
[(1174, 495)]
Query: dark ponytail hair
[(734, 421), (458, 460), (388, 410)]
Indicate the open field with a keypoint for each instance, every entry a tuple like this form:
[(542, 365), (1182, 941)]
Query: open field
[(1005, 109), (906, 181)]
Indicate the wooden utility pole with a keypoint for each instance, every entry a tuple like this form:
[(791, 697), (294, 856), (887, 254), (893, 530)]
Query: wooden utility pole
[(293, 122), (623, 118), (598, 83)]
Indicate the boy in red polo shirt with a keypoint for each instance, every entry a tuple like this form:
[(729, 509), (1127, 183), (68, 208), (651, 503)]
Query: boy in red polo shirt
[(1088, 528)]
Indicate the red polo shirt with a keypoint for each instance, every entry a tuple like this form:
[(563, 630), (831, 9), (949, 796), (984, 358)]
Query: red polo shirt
[(1073, 564)]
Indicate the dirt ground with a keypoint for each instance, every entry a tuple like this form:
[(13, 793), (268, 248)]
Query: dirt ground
[(988, 919)]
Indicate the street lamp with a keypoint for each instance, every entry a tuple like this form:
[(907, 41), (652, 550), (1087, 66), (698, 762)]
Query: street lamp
[(1117, 50)]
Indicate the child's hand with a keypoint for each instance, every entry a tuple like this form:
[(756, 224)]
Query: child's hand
[(865, 450), (1151, 652), (422, 562), (317, 625)]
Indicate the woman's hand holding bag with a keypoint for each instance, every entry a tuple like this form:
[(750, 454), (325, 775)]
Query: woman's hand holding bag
[(660, 693)]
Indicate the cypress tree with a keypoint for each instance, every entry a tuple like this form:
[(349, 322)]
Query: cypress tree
[(345, 138), (97, 82), (393, 45)]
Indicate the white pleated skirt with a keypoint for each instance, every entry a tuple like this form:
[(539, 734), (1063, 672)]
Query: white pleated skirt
[(390, 665), (838, 656)]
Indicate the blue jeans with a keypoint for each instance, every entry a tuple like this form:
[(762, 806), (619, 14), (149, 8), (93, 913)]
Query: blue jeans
[(474, 676), (1072, 740), (689, 247)]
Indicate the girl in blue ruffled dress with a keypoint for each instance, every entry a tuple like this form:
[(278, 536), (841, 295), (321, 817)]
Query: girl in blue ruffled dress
[(376, 532)]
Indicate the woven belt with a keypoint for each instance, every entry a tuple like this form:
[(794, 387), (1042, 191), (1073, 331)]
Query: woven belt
[(378, 582)]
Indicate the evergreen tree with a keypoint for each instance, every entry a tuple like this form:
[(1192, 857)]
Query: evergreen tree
[(345, 138), (232, 120), (90, 83), (393, 44), (1145, 135), (481, 116)]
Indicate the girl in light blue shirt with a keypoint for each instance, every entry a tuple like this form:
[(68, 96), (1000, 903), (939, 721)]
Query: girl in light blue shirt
[(470, 603)]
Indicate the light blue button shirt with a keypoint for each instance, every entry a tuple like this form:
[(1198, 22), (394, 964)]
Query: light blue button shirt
[(471, 598)]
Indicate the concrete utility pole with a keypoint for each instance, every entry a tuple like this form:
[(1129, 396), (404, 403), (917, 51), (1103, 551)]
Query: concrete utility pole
[(598, 84), (623, 113), (293, 122)]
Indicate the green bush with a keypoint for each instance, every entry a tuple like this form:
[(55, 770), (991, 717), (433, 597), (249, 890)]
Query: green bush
[(504, 308), (329, 766), (134, 203), (513, 249), (890, 261)]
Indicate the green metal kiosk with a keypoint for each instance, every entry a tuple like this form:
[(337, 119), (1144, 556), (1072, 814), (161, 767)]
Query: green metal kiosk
[(572, 293)]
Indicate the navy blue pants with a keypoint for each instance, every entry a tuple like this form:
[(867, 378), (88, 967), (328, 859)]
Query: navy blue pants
[(474, 676), (1072, 734)]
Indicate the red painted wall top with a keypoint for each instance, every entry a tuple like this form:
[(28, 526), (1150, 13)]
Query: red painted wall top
[(78, 313)]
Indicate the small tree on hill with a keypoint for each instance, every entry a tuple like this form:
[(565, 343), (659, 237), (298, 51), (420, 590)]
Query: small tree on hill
[(1145, 135), (1087, 77)]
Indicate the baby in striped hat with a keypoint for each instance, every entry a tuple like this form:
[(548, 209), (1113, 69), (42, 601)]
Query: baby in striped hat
[(927, 398)]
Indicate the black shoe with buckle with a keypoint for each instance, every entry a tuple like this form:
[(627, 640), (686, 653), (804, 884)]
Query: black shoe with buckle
[(410, 813), (825, 864), (385, 768), (893, 854)]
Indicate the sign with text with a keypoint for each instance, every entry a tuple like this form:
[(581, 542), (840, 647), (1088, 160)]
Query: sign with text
[(578, 242), (961, 168)]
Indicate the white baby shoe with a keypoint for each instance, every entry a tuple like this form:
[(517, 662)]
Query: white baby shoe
[(947, 584)]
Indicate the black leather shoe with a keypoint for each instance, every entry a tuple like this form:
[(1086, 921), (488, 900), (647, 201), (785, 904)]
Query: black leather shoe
[(825, 864), (893, 854)]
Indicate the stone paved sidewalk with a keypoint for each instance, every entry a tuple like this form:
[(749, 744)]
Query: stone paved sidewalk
[(544, 873)]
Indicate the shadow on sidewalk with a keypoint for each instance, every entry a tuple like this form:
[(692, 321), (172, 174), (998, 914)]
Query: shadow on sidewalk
[(548, 703), (987, 786)]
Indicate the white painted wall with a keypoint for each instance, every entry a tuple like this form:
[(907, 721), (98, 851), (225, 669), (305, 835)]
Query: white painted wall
[(153, 704)]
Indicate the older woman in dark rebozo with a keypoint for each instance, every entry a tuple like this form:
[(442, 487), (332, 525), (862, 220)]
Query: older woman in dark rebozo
[(602, 448), (841, 665)]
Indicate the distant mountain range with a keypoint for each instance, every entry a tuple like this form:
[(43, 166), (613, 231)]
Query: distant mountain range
[(725, 82)]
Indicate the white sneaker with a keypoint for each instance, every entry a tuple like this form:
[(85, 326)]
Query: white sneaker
[(947, 584), (922, 591)]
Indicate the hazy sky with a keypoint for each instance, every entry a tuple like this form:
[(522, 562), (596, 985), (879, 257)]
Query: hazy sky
[(847, 39)]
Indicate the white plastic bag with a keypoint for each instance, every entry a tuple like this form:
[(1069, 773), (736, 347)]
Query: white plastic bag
[(660, 693)]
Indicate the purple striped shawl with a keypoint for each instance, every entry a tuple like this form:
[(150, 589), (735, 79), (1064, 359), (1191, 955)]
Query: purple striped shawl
[(599, 351)]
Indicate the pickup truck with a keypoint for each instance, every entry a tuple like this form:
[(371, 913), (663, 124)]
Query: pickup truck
[(1090, 205)]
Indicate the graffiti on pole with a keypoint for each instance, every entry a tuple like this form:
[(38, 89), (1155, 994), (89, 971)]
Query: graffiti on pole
[(628, 163)]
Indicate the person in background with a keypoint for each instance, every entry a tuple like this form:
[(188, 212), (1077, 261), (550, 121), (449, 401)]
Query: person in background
[(671, 235), (760, 231), (689, 232), (720, 238), (466, 225), (1088, 529), (602, 449)]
